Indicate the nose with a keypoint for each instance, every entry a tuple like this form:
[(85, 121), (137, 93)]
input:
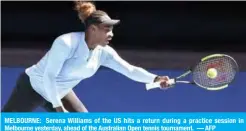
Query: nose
[(111, 34)]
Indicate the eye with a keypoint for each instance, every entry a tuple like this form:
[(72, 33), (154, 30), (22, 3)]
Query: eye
[(108, 29)]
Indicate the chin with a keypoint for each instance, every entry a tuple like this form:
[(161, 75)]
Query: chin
[(105, 43)]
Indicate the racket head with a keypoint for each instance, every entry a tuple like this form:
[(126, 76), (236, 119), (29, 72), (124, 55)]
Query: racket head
[(225, 66)]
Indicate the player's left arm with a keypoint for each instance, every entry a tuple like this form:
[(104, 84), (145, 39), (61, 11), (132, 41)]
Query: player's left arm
[(115, 62)]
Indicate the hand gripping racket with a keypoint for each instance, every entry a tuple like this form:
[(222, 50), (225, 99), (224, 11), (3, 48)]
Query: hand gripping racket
[(213, 72)]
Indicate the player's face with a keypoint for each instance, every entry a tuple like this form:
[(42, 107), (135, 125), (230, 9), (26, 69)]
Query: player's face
[(103, 34)]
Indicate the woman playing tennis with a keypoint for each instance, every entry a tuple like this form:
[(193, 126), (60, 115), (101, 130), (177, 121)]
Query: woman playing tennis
[(73, 57)]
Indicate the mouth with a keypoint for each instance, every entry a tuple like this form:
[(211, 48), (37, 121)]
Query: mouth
[(109, 39)]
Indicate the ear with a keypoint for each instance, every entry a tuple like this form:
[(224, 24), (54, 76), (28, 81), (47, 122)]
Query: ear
[(93, 28)]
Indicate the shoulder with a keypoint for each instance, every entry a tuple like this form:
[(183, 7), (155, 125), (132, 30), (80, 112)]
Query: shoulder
[(69, 39), (110, 50)]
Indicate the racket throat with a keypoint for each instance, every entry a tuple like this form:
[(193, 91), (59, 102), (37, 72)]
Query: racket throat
[(185, 82)]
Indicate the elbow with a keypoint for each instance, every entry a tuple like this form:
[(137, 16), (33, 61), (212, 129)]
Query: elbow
[(134, 70), (131, 69)]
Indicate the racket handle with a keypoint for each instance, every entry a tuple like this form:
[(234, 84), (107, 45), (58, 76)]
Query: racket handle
[(157, 84)]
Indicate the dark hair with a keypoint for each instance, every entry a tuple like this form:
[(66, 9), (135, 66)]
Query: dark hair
[(89, 15), (87, 12), (84, 9)]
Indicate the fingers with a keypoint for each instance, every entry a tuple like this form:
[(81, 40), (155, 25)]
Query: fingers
[(164, 85), (166, 78), (164, 82)]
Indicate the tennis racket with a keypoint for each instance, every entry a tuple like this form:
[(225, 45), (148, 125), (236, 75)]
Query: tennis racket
[(222, 67)]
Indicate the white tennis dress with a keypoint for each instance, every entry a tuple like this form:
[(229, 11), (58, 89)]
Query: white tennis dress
[(69, 61)]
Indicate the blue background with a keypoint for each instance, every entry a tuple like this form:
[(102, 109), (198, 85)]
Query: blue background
[(109, 91)]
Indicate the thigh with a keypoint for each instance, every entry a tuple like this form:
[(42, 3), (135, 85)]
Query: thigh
[(72, 103), (23, 98)]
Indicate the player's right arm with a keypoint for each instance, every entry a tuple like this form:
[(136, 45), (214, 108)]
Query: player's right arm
[(57, 55)]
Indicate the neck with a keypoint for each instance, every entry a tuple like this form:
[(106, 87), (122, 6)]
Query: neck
[(90, 43)]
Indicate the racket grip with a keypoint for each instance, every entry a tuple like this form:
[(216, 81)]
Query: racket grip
[(153, 85), (158, 84)]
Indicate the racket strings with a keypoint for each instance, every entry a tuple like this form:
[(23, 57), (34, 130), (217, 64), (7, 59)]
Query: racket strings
[(226, 70)]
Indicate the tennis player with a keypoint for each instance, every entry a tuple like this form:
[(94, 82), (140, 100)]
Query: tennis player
[(73, 57)]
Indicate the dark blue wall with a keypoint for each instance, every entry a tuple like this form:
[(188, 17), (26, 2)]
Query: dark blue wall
[(109, 91)]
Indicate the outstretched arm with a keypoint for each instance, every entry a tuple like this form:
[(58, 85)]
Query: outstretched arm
[(115, 62)]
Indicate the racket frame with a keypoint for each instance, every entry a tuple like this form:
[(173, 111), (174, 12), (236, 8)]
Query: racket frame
[(176, 79), (223, 86)]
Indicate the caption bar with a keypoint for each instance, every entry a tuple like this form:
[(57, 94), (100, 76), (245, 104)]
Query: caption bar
[(123, 121)]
